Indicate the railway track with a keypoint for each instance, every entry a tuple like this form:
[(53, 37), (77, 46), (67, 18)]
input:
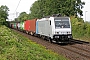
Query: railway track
[(79, 41), (80, 48), (80, 51), (71, 51)]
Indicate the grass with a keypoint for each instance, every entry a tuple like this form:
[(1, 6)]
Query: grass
[(14, 46), (84, 38)]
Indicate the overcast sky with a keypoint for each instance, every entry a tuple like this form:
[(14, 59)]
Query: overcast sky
[(26, 4), (86, 10)]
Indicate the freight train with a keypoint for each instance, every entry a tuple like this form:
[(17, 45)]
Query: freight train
[(53, 28)]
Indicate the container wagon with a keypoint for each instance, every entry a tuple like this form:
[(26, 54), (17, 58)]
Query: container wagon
[(30, 26), (10, 25), (21, 26)]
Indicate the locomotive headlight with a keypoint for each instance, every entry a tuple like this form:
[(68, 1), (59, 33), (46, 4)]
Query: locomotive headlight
[(69, 36), (56, 36), (68, 32), (56, 32)]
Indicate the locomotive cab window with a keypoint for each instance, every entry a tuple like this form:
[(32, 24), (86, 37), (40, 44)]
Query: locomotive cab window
[(62, 23), (50, 22)]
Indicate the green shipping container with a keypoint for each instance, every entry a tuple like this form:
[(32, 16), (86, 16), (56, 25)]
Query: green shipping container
[(21, 25), (15, 25)]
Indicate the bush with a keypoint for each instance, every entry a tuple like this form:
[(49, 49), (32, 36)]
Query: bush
[(80, 28)]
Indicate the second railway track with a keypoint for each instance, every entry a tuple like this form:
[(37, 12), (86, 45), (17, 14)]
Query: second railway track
[(80, 51)]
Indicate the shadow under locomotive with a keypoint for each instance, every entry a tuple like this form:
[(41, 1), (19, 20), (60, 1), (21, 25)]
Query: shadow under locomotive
[(71, 42)]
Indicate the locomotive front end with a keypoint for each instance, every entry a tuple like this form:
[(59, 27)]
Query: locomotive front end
[(62, 29)]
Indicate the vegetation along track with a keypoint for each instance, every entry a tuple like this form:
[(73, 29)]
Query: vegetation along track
[(73, 51)]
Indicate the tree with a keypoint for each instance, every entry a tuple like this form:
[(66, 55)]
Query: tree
[(48, 7), (3, 14), (22, 17), (36, 10)]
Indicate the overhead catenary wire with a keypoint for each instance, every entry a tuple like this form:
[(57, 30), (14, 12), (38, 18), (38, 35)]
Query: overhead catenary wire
[(15, 13), (17, 5)]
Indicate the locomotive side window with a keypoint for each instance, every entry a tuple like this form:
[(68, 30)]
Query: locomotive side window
[(50, 22), (62, 23)]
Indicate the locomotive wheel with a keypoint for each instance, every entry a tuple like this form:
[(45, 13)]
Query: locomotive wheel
[(50, 40)]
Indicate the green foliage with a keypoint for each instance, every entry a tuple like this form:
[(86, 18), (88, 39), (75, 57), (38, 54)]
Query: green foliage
[(87, 25), (43, 8), (14, 46), (80, 28), (36, 10), (3, 14), (22, 17)]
